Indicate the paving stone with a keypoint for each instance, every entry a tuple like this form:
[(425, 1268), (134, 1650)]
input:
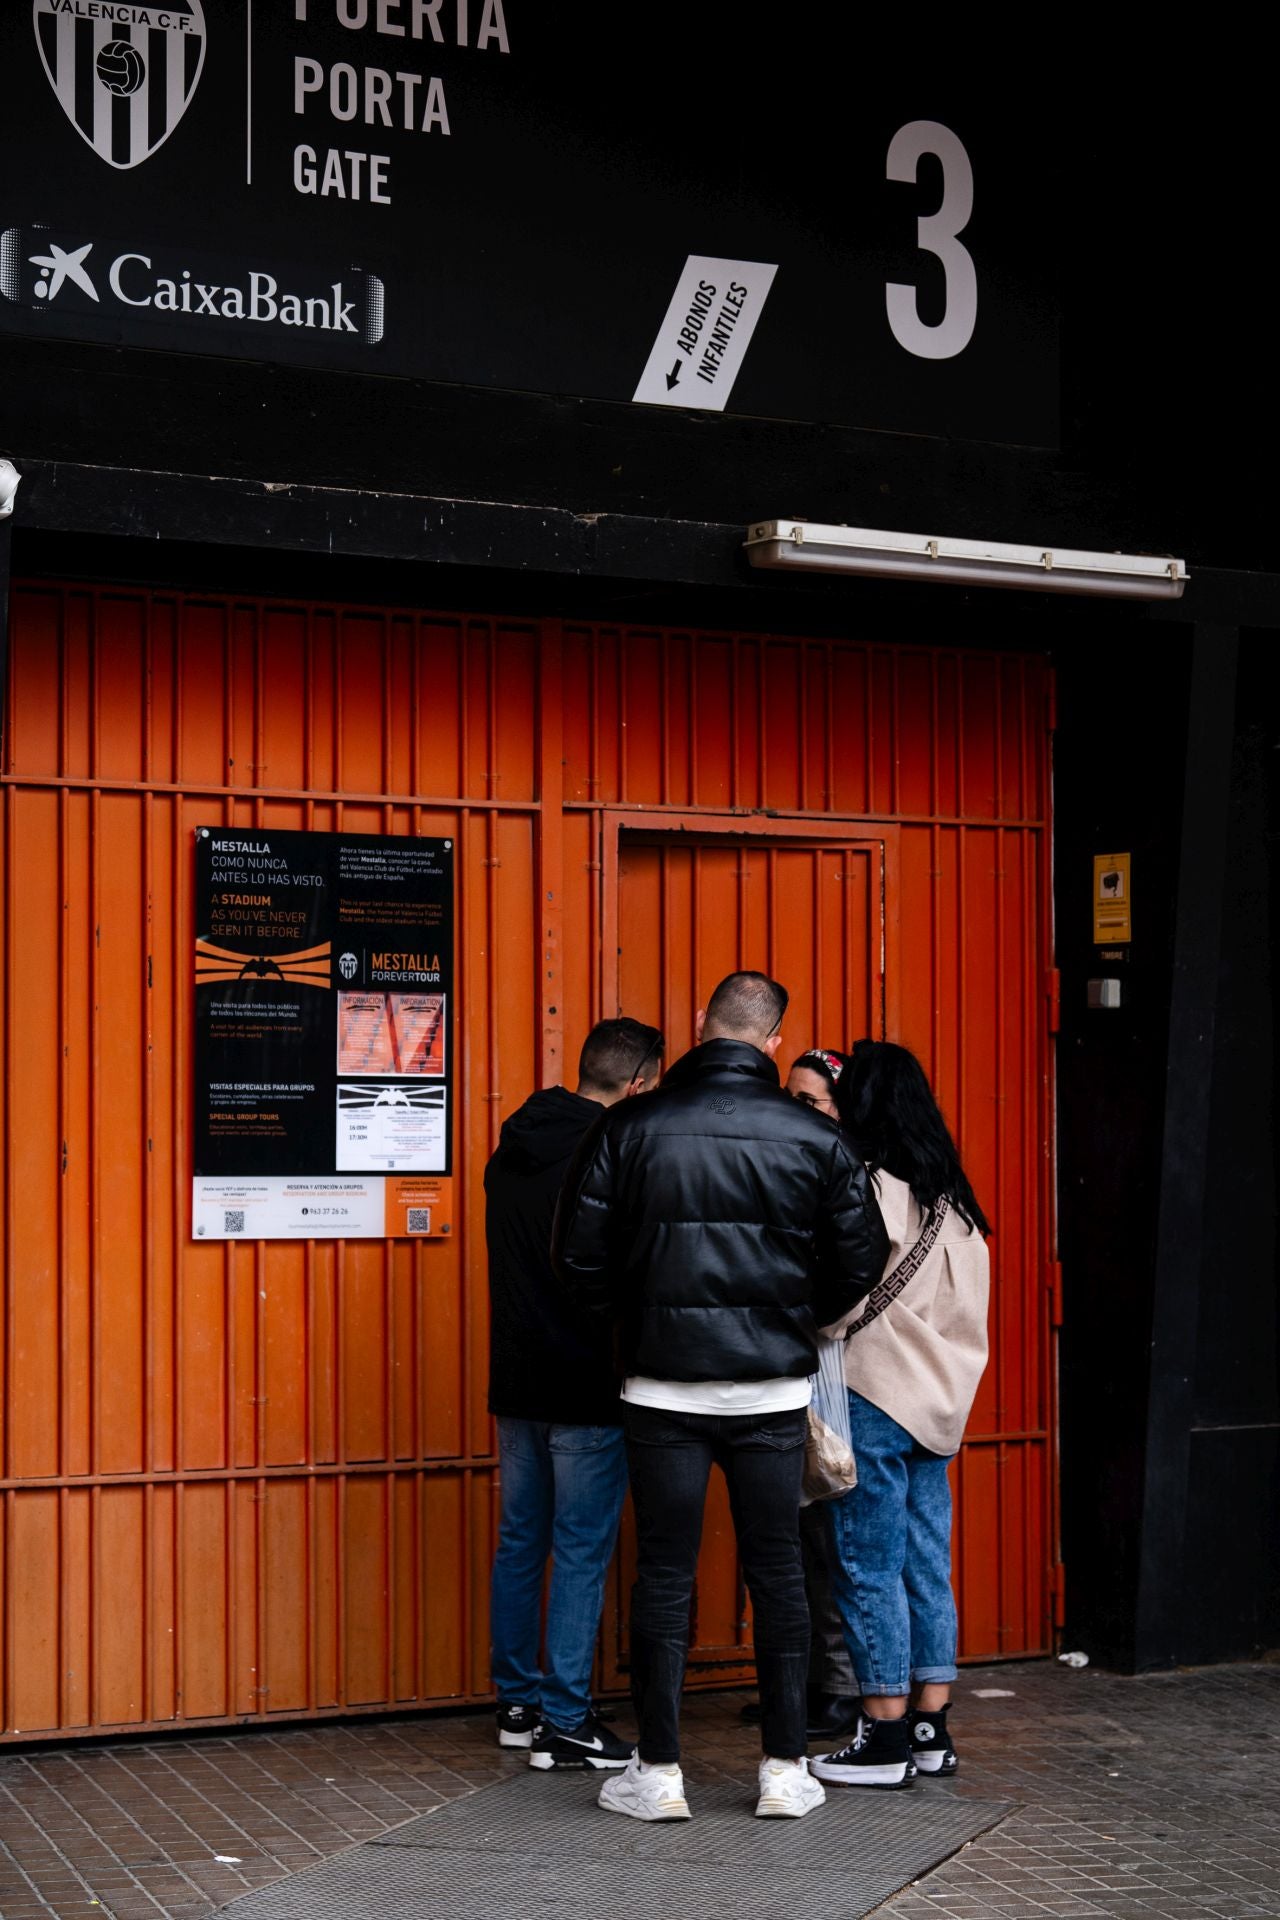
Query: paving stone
[(1114, 1816)]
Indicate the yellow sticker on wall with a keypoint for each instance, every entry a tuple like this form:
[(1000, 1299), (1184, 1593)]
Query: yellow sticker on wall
[(1112, 905)]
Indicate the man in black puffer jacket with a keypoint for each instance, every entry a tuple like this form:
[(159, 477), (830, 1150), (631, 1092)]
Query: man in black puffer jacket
[(719, 1224)]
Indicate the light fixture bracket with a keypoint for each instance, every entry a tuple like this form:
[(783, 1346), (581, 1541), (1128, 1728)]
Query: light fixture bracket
[(810, 547)]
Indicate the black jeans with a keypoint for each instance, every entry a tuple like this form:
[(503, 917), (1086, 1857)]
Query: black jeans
[(761, 1456), (830, 1668)]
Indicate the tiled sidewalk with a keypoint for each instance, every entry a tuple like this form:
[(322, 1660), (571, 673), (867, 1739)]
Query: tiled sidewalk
[(1147, 1799)]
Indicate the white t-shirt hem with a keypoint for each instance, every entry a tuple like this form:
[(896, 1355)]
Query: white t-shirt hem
[(717, 1396)]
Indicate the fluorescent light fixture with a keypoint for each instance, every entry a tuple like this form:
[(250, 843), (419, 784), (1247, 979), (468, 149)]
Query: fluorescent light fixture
[(811, 548)]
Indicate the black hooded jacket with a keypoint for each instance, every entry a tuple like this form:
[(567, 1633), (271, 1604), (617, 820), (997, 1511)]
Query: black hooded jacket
[(720, 1222), (546, 1360)]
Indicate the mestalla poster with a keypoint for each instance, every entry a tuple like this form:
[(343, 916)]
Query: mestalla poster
[(323, 1015)]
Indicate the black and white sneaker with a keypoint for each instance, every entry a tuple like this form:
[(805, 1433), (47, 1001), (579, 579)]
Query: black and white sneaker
[(517, 1724), (589, 1745), (879, 1755), (931, 1747)]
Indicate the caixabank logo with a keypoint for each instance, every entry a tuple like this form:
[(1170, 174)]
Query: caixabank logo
[(123, 73), (55, 272)]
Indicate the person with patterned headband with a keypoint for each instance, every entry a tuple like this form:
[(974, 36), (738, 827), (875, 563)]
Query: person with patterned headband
[(914, 1353)]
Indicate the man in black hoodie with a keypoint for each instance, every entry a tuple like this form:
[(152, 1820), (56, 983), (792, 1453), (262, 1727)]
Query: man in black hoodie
[(554, 1389)]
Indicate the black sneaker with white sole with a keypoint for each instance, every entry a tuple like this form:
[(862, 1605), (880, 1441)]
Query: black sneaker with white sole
[(931, 1747), (517, 1724), (589, 1745), (879, 1755)]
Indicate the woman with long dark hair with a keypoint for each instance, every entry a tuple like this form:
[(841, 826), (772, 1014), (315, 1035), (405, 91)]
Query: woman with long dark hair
[(915, 1350)]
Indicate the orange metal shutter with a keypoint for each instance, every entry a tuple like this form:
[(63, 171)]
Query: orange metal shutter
[(251, 1481)]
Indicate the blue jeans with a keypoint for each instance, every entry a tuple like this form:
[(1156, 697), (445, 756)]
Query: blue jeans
[(892, 1577), (562, 1493)]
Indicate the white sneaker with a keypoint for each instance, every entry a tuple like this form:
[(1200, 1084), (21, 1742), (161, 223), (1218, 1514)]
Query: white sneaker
[(647, 1793), (787, 1790)]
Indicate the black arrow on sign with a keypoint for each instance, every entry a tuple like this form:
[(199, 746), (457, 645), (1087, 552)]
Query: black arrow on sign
[(673, 376)]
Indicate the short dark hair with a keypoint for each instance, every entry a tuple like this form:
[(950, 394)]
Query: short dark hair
[(615, 1051), (747, 1006)]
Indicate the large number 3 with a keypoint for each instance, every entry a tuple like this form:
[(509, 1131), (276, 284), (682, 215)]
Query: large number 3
[(936, 234)]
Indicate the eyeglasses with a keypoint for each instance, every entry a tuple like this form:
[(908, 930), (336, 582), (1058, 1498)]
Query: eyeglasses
[(817, 1101), (655, 1052)]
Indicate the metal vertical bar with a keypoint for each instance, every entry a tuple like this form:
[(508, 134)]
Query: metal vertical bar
[(895, 735), (846, 934), (95, 1077), (801, 655), (147, 991), (339, 1350), (10, 1248), (593, 714), (962, 785), (664, 716), (694, 788), (493, 772), (1030, 1413), (962, 990), (868, 663), (664, 939), (8, 1611), (491, 974), (6, 547), (816, 918), (309, 1282), (1002, 1271), (549, 928), (1024, 786), (829, 730), (181, 1198), (624, 759), (998, 755), (609, 934), (697, 927), (735, 724), (463, 655), (63, 962), (935, 778), (762, 722), (261, 1493), (95, 1605), (463, 1215), (64, 1624), (389, 1253)]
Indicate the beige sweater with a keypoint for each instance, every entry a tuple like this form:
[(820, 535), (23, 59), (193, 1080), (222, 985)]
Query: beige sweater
[(921, 1360)]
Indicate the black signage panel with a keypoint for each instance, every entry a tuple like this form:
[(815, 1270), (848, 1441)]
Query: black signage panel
[(629, 203), (324, 997)]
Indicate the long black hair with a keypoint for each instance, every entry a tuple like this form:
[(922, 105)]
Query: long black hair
[(886, 1105)]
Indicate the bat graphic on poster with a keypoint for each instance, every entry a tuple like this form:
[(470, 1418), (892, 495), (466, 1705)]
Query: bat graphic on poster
[(309, 967)]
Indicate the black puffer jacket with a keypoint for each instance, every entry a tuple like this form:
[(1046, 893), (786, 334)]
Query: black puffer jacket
[(719, 1221)]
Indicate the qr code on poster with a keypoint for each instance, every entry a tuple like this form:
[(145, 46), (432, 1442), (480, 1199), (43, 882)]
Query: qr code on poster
[(233, 1222), (419, 1219)]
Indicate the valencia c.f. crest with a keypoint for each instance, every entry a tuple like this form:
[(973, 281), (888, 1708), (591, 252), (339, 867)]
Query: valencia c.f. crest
[(124, 74)]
